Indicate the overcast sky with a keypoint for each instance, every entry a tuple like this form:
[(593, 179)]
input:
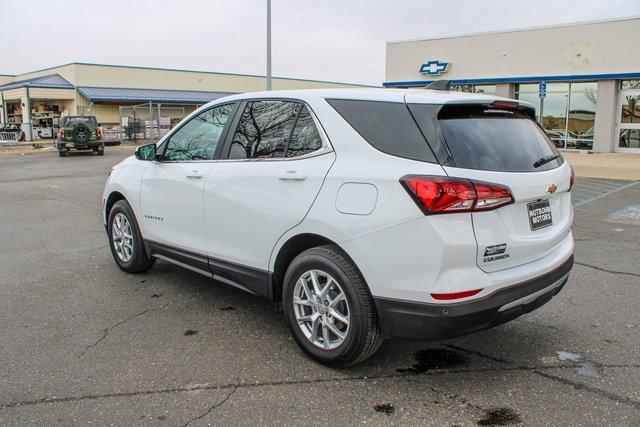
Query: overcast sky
[(325, 40)]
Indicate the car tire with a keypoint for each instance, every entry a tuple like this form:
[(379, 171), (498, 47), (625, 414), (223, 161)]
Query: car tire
[(62, 153), (100, 152), (362, 336), (131, 257)]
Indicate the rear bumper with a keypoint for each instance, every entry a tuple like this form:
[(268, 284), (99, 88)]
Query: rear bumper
[(424, 321), (81, 146)]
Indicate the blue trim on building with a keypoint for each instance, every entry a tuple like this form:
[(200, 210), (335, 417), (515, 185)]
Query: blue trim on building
[(523, 79)]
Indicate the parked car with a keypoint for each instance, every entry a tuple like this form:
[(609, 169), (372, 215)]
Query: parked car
[(79, 133), (363, 213)]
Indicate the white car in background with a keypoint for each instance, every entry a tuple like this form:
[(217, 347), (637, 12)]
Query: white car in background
[(363, 213)]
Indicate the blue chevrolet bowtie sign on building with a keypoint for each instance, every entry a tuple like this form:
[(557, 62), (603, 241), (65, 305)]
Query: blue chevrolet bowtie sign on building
[(434, 68)]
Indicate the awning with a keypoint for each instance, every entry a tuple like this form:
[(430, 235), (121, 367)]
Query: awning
[(104, 94), (50, 81)]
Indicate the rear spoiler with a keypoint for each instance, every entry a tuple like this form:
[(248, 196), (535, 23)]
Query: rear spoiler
[(439, 85)]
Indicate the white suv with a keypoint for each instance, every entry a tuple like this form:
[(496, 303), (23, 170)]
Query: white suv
[(364, 214)]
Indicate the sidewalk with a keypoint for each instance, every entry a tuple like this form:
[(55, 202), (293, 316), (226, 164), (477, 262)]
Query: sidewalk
[(605, 165)]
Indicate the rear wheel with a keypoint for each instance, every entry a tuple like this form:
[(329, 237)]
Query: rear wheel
[(125, 239), (329, 308), (62, 153)]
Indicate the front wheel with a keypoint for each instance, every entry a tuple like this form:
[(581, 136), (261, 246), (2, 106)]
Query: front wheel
[(329, 308), (125, 239)]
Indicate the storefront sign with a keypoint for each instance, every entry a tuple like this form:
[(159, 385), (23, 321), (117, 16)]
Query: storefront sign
[(434, 68)]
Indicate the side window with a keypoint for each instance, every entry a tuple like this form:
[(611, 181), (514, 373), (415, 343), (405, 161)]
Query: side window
[(264, 130), (198, 138), (305, 138), (387, 126)]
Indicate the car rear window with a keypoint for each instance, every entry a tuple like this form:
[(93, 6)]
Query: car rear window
[(387, 126), (72, 121), (487, 138)]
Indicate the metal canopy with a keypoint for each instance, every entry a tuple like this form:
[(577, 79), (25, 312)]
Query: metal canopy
[(102, 94), (51, 81)]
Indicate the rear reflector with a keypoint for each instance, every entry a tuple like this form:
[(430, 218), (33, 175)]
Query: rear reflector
[(442, 194), (456, 295)]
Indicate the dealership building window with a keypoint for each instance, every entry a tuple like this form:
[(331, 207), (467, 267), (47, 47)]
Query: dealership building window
[(488, 89), (629, 115), (567, 112)]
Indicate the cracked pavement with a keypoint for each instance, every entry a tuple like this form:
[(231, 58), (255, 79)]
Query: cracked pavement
[(82, 342)]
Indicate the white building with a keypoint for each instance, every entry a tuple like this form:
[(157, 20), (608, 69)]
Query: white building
[(591, 72)]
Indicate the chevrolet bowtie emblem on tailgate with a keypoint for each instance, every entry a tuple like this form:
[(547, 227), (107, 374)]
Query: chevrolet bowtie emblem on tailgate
[(551, 188)]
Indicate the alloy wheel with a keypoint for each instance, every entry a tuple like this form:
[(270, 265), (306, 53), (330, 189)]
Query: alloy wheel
[(122, 237), (321, 309)]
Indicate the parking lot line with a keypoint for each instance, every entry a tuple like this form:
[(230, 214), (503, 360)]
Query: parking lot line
[(591, 190)]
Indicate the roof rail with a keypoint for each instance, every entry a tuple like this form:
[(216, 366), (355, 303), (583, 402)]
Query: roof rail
[(439, 85)]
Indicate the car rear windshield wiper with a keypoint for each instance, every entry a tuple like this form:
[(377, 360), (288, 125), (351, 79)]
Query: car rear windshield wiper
[(544, 160)]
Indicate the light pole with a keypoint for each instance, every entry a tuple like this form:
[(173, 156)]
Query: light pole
[(268, 44)]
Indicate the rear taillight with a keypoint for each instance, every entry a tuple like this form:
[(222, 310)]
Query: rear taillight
[(61, 133), (572, 180), (441, 194), (98, 132)]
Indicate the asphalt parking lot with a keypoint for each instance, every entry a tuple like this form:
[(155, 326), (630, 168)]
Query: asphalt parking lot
[(83, 342)]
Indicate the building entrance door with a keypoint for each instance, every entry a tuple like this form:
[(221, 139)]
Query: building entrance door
[(628, 122)]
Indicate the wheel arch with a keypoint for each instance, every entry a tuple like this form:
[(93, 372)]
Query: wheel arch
[(291, 248), (111, 200)]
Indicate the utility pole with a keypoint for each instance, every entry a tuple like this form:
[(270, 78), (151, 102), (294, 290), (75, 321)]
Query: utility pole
[(268, 44)]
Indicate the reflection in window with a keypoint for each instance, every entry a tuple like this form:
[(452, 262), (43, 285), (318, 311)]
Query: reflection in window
[(488, 89), (630, 109), (582, 117), (630, 84), (567, 112), (554, 117), (629, 138), (528, 88), (305, 138), (264, 130), (198, 138)]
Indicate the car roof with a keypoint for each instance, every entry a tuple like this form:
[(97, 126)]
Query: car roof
[(420, 96)]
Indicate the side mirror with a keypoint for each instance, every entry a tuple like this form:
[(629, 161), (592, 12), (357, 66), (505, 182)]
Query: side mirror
[(146, 152)]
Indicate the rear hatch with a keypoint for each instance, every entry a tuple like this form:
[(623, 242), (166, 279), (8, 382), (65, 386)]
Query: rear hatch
[(499, 142)]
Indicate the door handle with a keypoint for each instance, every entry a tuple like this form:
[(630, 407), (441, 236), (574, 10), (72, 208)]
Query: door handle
[(292, 175), (195, 174)]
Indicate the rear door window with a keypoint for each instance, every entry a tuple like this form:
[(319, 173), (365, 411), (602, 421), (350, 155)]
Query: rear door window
[(264, 130), (487, 138), (387, 126)]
